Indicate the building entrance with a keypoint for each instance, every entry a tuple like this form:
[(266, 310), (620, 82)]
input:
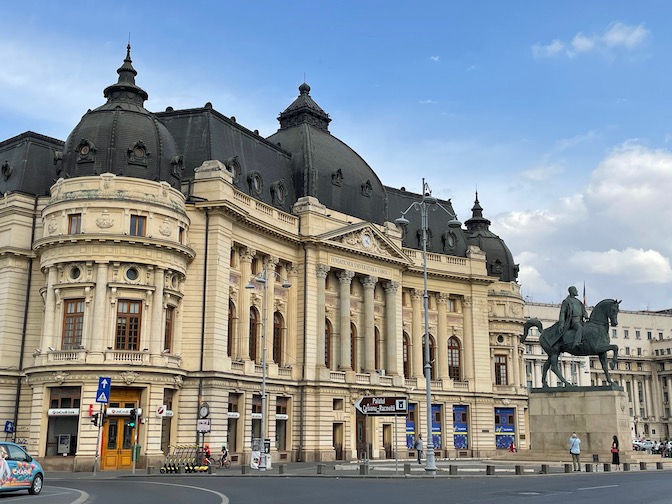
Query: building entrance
[(118, 434)]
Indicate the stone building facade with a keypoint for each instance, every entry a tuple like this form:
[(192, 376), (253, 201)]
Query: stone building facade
[(174, 252)]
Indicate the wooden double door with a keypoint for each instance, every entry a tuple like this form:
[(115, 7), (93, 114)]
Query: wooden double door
[(118, 435)]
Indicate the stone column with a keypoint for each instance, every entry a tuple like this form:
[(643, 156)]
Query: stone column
[(268, 339), (246, 256), (322, 271), (50, 310), (369, 284), (418, 331), (98, 342), (515, 355), (158, 325), (345, 277), (469, 364), (441, 352), (648, 397), (392, 339), (292, 304)]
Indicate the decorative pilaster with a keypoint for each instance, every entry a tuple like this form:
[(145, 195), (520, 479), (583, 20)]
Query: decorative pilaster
[(50, 310), (97, 344), (441, 353), (369, 284), (469, 364), (270, 265), (158, 326), (322, 271), (417, 298), (246, 256), (392, 340), (345, 277)]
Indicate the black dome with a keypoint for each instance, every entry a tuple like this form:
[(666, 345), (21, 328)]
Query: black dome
[(499, 261), (122, 137)]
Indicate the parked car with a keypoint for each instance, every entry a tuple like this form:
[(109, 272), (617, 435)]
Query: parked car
[(18, 470), (642, 445)]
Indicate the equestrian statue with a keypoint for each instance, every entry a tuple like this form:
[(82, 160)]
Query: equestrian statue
[(576, 337)]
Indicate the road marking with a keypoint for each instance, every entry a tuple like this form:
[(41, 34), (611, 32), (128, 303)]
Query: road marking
[(597, 487), (225, 499), (83, 496)]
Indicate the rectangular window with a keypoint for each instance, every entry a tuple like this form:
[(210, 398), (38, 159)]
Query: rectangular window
[(129, 318), (75, 223), (180, 234), (660, 335), (649, 335), (638, 334), (639, 366), (138, 224), (168, 333), (614, 333), (639, 351), (73, 323), (626, 333), (627, 350), (501, 377)]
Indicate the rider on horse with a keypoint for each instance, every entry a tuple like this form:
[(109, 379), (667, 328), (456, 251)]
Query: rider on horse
[(572, 314)]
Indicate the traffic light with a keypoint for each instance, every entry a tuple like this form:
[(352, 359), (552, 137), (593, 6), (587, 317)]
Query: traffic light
[(94, 419), (133, 414)]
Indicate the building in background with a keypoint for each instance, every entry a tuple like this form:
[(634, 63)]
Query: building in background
[(127, 251), (644, 368)]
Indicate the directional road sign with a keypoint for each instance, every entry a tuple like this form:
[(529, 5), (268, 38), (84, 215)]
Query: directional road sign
[(382, 406), (103, 393)]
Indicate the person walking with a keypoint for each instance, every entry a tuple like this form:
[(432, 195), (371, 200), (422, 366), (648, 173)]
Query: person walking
[(575, 451), (615, 454), (419, 447)]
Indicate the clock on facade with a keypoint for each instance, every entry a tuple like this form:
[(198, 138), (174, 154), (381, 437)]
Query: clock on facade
[(204, 410), (366, 240)]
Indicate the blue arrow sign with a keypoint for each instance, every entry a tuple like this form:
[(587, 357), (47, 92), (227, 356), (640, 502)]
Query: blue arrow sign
[(103, 392)]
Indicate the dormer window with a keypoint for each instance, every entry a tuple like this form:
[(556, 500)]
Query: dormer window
[(137, 154), (86, 151), (255, 182), (278, 192)]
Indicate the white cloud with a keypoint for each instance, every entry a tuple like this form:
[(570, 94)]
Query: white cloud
[(427, 102), (618, 36), (549, 50), (542, 173), (636, 265), (435, 58)]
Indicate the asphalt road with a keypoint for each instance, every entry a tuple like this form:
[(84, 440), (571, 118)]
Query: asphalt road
[(650, 487)]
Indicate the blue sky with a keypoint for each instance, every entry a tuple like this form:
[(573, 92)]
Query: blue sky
[(557, 111)]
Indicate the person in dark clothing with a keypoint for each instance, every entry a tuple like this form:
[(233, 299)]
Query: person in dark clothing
[(615, 454)]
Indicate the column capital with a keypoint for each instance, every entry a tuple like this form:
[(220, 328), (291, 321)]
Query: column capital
[(322, 270), (271, 262), (369, 282), (346, 276), (391, 287), (247, 253), (417, 294), (442, 298), (467, 301)]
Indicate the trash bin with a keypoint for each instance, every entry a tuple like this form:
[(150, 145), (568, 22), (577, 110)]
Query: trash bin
[(135, 454)]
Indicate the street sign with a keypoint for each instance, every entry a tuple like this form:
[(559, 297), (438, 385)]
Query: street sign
[(382, 406), (103, 393), (9, 426), (161, 410), (203, 425)]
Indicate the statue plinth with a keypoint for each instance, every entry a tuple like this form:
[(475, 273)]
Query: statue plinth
[(596, 414)]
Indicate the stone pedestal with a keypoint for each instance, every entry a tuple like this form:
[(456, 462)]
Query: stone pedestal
[(596, 414)]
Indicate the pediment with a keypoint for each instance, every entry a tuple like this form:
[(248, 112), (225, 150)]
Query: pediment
[(365, 239)]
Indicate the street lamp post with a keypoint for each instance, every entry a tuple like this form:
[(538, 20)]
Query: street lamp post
[(262, 278), (423, 206)]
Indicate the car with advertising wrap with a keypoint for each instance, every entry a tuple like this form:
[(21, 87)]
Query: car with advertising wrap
[(18, 470)]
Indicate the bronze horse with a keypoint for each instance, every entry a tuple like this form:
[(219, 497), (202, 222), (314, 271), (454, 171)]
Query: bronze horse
[(595, 340)]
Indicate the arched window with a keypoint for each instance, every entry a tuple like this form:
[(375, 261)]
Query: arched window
[(231, 335), (255, 326), (278, 329), (432, 355), (353, 347), (405, 352), (454, 367), (327, 343), (376, 349)]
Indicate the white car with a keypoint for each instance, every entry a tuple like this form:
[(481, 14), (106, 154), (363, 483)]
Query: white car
[(642, 445)]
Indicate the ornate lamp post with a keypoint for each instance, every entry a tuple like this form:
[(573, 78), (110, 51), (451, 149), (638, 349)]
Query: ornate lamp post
[(262, 278), (423, 206)]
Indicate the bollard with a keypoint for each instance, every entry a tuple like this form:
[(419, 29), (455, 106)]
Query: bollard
[(626, 466), (150, 469), (245, 469), (320, 468), (489, 470), (363, 469), (282, 468), (568, 468), (607, 467), (642, 466), (544, 468), (519, 470), (589, 467), (407, 468), (659, 465), (452, 470)]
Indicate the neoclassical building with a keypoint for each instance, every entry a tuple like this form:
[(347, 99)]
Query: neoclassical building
[(644, 369), (174, 252)]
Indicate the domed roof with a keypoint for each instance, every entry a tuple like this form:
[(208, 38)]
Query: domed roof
[(122, 137), (499, 261), (325, 167)]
